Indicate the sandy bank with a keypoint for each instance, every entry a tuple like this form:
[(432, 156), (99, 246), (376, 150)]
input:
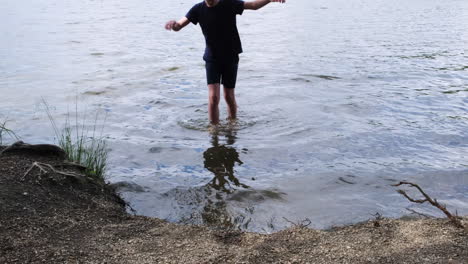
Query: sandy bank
[(53, 218)]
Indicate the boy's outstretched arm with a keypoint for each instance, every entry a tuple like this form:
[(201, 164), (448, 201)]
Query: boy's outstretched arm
[(257, 4), (177, 25)]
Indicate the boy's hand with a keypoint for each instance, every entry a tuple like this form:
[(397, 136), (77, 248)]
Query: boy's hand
[(170, 24), (257, 4), (177, 25)]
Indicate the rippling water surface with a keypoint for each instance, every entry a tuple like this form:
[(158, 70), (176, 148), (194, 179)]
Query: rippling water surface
[(338, 100)]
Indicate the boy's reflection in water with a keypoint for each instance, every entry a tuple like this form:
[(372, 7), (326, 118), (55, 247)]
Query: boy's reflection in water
[(220, 160)]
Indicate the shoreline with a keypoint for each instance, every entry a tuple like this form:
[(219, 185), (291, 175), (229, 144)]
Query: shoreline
[(55, 218)]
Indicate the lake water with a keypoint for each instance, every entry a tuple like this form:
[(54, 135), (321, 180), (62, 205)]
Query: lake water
[(337, 101)]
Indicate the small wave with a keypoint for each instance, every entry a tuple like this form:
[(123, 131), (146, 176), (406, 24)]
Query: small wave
[(430, 56), (455, 68), (321, 76), (202, 124), (172, 69), (455, 91), (300, 80), (94, 92), (195, 124)]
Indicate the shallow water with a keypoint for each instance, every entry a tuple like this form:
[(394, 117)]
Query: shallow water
[(338, 100)]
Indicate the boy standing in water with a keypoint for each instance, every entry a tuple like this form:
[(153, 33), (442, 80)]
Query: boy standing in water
[(217, 19)]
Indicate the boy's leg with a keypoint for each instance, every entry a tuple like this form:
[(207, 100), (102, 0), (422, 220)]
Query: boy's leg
[(229, 74), (213, 102), (213, 77), (230, 97)]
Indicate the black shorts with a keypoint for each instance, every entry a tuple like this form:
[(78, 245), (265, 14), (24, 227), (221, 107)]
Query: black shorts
[(222, 72)]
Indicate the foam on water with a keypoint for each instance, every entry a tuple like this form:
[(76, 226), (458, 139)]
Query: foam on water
[(203, 124)]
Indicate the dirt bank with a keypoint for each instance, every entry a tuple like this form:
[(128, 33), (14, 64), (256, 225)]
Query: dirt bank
[(52, 218)]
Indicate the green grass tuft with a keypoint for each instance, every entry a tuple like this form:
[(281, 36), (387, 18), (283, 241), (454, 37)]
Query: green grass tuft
[(6, 131), (81, 144)]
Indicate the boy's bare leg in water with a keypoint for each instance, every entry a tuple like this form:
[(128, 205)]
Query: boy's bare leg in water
[(230, 97), (213, 103)]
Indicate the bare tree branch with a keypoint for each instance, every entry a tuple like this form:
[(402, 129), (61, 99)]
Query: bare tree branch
[(411, 199), (304, 223), (45, 168), (454, 219), (419, 213)]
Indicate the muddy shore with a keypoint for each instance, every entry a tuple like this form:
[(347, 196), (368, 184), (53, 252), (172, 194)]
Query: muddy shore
[(55, 218)]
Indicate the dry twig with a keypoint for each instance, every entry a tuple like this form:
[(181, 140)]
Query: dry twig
[(378, 217), (454, 219), (45, 168), (419, 213), (304, 223)]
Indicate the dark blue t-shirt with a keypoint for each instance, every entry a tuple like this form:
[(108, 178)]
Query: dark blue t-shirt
[(219, 27)]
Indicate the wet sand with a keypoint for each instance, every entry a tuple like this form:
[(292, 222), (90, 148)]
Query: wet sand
[(51, 218)]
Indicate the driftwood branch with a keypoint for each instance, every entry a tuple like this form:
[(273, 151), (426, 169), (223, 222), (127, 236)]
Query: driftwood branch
[(45, 168), (454, 219), (304, 223), (419, 213)]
